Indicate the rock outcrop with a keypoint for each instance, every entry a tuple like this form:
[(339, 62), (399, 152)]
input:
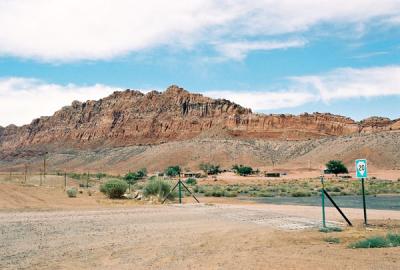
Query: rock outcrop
[(133, 118)]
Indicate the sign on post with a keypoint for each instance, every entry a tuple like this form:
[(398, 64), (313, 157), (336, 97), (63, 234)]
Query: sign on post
[(361, 168), (362, 172)]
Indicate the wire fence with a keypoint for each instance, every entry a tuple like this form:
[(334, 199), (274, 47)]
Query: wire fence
[(58, 179)]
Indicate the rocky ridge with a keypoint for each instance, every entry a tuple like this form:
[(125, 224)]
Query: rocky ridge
[(133, 118)]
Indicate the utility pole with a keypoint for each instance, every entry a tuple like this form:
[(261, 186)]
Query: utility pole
[(44, 165), (26, 171), (323, 202), (65, 181)]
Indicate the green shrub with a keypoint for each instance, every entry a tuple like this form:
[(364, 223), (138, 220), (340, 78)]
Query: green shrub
[(301, 193), (332, 240), (330, 229), (394, 239), (191, 181), (172, 171), (100, 175), (336, 167), (132, 177), (114, 189), (264, 194), (158, 187), (71, 192), (391, 240), (230, 193), (242, 170), (214, 192), (372, 242), (210, 168)]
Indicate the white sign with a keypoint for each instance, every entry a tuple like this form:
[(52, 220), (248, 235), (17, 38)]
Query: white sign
[(361, 168)]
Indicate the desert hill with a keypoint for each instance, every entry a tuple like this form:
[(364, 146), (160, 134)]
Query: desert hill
[(130, 129)]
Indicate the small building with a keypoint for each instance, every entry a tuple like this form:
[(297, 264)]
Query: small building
[(191, 174), (272, 174)]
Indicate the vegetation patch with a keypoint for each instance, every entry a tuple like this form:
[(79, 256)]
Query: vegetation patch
[(173, 171), (114, 189), (301, 193), (71, 192), (391, 240), (332, 240), (242, 170), (191, 181), (336, 167), (159, 188), (330, 229), (210, 169)]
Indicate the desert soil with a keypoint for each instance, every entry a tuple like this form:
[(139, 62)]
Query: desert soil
[(57, 232)]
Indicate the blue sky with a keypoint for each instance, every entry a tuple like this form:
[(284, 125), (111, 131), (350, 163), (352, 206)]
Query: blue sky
[(274, 56)]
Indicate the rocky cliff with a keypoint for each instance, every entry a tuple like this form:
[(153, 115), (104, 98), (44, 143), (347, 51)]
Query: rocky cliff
[(133, 118)]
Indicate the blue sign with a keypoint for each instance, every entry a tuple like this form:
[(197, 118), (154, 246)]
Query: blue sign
[(361, 168)]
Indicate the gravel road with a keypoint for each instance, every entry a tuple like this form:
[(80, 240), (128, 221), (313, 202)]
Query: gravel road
[(172, 237)]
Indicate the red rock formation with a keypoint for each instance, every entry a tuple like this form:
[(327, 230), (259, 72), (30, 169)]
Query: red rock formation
[(131, 118)]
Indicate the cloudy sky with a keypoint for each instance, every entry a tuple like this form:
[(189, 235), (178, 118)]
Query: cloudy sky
[(274, 56)]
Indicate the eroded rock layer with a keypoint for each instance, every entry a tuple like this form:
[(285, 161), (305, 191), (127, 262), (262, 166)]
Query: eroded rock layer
[(133, 118)]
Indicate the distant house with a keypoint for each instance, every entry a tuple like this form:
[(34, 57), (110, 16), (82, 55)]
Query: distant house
[(191, 174), (272, 174)]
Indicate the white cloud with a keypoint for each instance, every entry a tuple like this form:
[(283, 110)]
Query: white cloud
[(347, 83), (68, 30), (23, 99), (239, 50), (265, 100)]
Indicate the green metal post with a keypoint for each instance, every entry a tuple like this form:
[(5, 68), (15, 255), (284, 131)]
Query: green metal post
[(180, 191), (364, 203), (323, 202)]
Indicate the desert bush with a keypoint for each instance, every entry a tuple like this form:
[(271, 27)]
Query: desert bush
[(264, 194), (230, 193), (172, 171), (210, 168), (332, 240), (71, 192), (214, 192), (132, 177), (334, 189), (394, 239), (100, 175), (76, 176), (372, 242), (158, 187), (336, 167), (330, 229), (242, 170), (114, 189), (191, 181), (301, 193)]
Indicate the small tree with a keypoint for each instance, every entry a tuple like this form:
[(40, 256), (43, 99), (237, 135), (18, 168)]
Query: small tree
[(242, 170), (173, 171), (132, 177), (210, 168), (336, 167)]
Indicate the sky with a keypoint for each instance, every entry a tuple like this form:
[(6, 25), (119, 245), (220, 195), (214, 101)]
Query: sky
[(273, 56)]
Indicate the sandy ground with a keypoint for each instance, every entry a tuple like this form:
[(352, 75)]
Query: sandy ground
[(90, 232)]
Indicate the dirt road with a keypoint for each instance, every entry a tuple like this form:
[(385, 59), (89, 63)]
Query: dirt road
[(175, 237)]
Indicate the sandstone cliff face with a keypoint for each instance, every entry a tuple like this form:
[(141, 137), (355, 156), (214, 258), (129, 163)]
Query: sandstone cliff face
[(133, 118)]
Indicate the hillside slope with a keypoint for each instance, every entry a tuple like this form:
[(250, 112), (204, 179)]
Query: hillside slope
[(130, 129)]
